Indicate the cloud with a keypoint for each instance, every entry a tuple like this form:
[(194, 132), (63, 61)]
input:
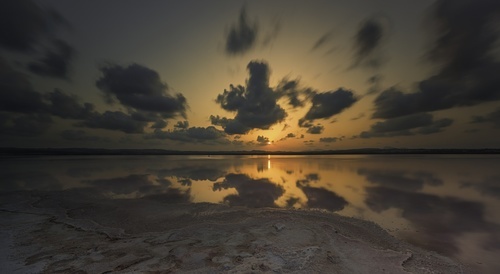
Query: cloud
[(242, 35), (26, 125), (254, 193), (56, 62), (465, 35), (67, 106), (255, 105), (208, 135), (322, 40), (181, 124), (296, 95), (79, 135), (330, 139), (160, 123), (262, 140), (24, 24), (420, 123), (328, 104), (367, 39), (493, 117), (141, 88), (114, 120), (315, 129), (16, 92)]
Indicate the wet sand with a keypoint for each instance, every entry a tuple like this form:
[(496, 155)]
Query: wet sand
[(72, 232)]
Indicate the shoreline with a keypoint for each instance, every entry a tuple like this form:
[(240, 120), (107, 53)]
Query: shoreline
[(61, 231)]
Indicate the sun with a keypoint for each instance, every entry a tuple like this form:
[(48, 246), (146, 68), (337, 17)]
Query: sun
[(269, 143)]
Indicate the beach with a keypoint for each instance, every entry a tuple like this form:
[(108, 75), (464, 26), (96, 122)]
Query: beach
[(73, 231)]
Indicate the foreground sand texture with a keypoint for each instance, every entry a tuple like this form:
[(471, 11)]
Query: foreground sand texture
[(69, 232)]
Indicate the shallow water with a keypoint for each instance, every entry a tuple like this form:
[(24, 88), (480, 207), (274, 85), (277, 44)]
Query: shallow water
[(446, 203)]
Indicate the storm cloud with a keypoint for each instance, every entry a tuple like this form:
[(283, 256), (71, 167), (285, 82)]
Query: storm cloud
[(255, 105), (141, 88), (420, 123), (465, 36), (242, 35)]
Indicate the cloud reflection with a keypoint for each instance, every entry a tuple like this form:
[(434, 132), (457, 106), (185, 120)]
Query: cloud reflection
[(251, 192)]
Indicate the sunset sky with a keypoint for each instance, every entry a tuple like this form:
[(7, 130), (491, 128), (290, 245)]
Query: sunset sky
[(244, 75)]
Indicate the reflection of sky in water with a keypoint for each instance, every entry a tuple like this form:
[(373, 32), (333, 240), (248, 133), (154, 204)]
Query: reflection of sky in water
[(450, 204)]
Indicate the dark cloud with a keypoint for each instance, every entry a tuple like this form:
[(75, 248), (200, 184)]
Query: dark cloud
[(182, 124), (440, 221), (317, 129), (493, 117), (321, 198), (114, 120), (255, 105), (400, 179), (296, 95), (159, 124), (261, 140), (361, 115), (465, 36), (375, 83), (242, 35), (67, 106), (330, 139), (208, 135), (80, 135), (140, 88), (56, 62), (367, 39), (328, 104), (308, 142), (322, 40), (420, 123), (24, 24), (230, 126), (253, 193), (26, 125), (17, 93)]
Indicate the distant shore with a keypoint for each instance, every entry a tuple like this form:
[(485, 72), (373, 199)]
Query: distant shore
[(102, 151)]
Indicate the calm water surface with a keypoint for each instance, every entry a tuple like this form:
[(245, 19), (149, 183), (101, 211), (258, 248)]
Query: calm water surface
[(449, 204)]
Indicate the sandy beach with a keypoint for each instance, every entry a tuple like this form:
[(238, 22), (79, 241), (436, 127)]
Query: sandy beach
[(71, 232)]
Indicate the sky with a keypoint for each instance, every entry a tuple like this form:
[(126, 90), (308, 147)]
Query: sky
[(250, 75)]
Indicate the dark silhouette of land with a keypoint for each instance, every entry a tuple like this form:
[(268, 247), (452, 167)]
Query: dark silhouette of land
[(102, 151)]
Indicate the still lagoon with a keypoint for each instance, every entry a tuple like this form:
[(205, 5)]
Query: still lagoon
[(449, 204)]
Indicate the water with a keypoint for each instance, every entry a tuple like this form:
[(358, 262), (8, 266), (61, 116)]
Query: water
[(449, 204)]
